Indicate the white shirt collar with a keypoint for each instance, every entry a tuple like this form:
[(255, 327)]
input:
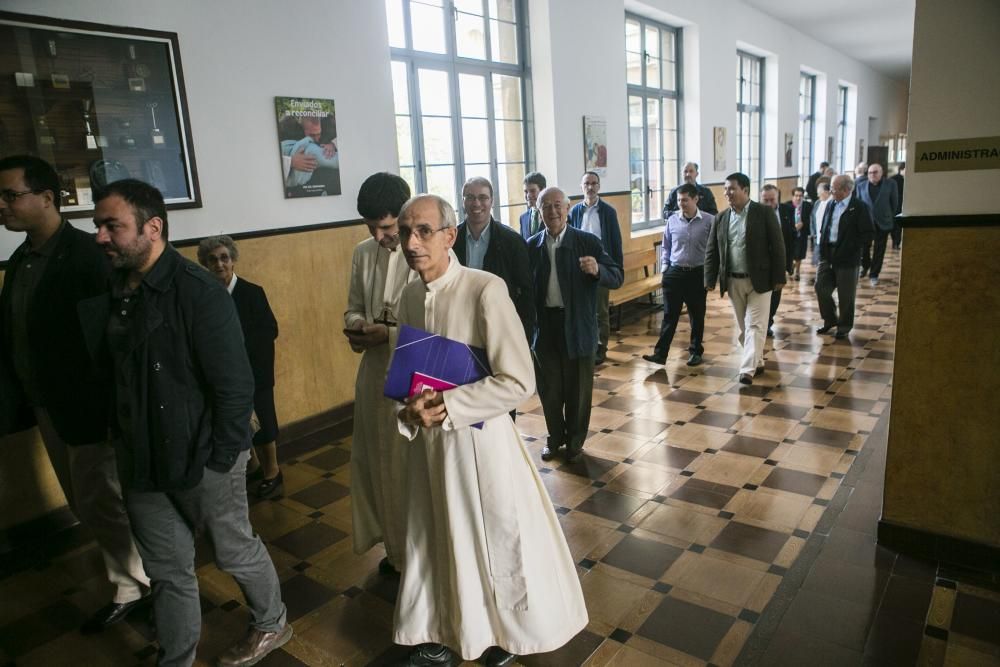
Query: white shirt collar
[(232, 284)]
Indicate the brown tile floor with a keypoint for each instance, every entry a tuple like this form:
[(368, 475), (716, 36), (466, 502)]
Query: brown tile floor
[(712, 524)]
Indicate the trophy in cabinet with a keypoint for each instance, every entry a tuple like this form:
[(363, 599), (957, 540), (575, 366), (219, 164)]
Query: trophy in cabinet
[(155, 135), (45, 137), (126, 140), (93, 141)]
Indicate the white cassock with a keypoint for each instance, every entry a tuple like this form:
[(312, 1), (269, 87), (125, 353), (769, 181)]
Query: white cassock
[(486, 560), (378, 452)]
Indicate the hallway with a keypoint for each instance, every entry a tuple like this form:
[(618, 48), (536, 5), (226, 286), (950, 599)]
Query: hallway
[(712, 524)]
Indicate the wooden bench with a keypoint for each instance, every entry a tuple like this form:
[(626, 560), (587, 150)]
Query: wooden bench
[(642, 278)]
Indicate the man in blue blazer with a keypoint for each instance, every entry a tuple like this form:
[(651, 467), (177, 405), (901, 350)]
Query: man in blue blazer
[(566, 338), (531, 220), (600, 219), (882, 198)]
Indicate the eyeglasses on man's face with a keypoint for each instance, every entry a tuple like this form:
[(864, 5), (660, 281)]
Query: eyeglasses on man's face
[(422, 232), (482, 199), (10, 196)]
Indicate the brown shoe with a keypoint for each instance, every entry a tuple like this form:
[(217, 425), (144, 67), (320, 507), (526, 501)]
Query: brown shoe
[(254, 647)]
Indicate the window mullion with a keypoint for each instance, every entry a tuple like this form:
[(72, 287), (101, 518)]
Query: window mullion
[(491, 129), (416, 127)]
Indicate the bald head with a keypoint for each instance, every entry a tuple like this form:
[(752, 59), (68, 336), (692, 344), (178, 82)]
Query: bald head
[(554, 206), (842, 186)]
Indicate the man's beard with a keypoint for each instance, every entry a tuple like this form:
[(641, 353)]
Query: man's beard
[(134, 256)]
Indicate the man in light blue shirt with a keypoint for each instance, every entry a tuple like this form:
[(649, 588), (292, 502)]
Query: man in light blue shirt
[(682, 263)]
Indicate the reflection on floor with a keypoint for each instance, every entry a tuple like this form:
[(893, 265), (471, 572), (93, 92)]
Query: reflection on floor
[(711, 523)]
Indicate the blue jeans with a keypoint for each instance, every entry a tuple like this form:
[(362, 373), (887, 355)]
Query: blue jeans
[(165, 525)]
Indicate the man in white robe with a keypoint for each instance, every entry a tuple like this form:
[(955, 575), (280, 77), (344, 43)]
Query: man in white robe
[(378, 452), (487, 568)]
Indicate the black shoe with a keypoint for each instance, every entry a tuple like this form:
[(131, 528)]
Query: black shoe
[(271, 487), (602, 354), (841, 335), (549, 452), (745, 378), (428, 655), (770, 333), (864, 272), (695, 360), (825, 329), (386, 569), (655, 359), (573, 455), (112, 613), (497, 657), (759, 371), (256, 475)]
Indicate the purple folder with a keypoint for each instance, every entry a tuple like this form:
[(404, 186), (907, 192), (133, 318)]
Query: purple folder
[(419, 351)]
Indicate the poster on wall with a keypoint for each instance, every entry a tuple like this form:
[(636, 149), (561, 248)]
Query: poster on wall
[(595, 144), (789, 140), (307, 141), (719, 147)]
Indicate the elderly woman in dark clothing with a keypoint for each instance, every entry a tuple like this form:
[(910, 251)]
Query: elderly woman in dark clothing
[(219, 255)]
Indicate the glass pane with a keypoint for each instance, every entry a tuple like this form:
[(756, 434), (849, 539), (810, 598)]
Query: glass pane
[(441, 182), (409, 174), (470, 36), (503, 41), (435, 98), (470, 6), (669, 75), (427, 28), (669, 114), (670, 153), (507, 97), (509, 191), (667, 45), (653, 132), (633, 36), (652, 58), (472, 90), (400, 88), (404, 140), (397, 30), (510, 140), (475, 140), (510, 216), (671, 173), (503, 10), (633, 67), (636, 159), (437, 140)]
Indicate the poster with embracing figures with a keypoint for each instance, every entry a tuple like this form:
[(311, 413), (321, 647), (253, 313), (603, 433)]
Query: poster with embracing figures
[(307, 141)]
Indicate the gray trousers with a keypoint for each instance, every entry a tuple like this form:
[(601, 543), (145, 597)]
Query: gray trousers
[(165, 527), (843, 279)]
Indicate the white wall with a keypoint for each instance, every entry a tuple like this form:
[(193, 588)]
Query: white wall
[(583, 31), (953, 102), (237, 57)]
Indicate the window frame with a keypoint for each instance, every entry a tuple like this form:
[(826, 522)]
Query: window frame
[(753, 110), (646, 93), (807, 119), (843, 93), (454, 66)]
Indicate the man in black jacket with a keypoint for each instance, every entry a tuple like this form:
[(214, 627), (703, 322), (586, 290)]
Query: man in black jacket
[(769, 196), (47, 377), (181, 402), (491, 246), (844, 230)]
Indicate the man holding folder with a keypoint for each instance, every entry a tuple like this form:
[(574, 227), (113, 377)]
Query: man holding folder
[(487, 572)]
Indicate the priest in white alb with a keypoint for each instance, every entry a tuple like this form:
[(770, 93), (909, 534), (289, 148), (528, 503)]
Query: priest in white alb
[(378, 452), (487, 572)]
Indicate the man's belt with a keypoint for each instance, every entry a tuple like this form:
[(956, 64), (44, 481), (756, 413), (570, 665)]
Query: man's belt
[(686, 268), (739, 275)]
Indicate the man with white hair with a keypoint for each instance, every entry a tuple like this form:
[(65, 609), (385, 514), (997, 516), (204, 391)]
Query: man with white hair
[(487, 571)]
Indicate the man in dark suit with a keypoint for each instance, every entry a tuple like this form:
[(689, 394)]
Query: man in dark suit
[(746, 255), (567, 266), (769, 195), (531, 220), (882, 199), (844, 230), (798, 212), (811, 183), (897, 231), (705, 197), (219, 255), (600, 219), (46, 374), (488, 245)]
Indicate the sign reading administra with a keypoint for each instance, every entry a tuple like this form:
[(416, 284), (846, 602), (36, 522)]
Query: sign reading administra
[(957, 154)]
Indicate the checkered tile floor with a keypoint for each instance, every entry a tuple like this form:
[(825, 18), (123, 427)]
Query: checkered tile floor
[(694, 500)]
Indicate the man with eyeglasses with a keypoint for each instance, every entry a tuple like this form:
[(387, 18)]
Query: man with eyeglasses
[(487, 572), (378, 452), (46, 377), (567, 267), (487, 245)]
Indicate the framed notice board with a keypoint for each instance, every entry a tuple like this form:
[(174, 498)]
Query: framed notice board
[(100, 103)]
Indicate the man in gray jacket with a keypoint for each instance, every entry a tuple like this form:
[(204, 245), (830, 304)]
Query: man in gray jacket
[(882, 198)]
